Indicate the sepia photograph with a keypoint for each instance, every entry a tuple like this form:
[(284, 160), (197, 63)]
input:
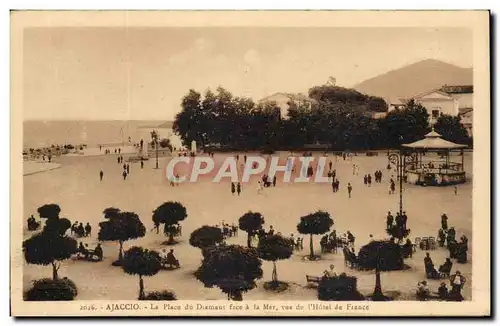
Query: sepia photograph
[(250, 163)]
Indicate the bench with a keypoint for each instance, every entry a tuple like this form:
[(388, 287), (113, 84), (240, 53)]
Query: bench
[(88, 255), (313, 280)]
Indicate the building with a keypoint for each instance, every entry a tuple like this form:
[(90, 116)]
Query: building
[(455, 100), (282, 100)]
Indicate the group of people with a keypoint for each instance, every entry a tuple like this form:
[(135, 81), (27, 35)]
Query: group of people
[(88, 254), (330, 242), (401, 221), (169, 260), (447, 237), (457, 282), (236, 188), (227, 229), (432, 273), (79, 230)]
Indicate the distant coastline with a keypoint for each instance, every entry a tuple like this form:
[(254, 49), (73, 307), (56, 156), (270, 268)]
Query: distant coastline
[(44, 133)]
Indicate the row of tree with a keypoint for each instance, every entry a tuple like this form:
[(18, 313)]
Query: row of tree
[(335, 117), (232, 268)]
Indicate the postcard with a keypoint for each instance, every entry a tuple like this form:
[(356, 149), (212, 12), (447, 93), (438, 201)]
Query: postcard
[(250, 163)]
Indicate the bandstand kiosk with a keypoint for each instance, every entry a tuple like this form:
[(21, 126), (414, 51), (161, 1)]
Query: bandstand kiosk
[(435, 161)]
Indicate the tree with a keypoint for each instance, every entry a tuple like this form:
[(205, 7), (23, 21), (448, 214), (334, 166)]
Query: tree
[(405, 125), (251, 222), (381, 256), (191, 123), (451, 129), (49, 211), (315, 223), (233, 269), (339, 288), (120, 226), (273, 248), (142, 262), (57, 225), (49, 248), (206, 236), (169, 213), (165, 143)]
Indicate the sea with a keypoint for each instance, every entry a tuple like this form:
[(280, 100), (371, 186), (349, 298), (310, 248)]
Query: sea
[(40, 133)]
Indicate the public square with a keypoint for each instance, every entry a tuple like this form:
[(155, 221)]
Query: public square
[(76, 188)]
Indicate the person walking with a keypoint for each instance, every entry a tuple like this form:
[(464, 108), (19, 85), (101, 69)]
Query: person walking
[(349, 189), (101, 175), (124, 174), (238, 188), (128, 168), (233, 188), (142, 164)]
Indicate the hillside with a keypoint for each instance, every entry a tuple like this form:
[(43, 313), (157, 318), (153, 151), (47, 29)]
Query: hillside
[(414, 79)]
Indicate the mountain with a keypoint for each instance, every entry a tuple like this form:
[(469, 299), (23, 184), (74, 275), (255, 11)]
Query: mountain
[(415, 79)]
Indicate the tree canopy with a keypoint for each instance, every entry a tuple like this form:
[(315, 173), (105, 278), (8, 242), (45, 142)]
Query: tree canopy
[(451, 129), (273, 248), (386, 255), (142, 262), (233, 269), (206, 236), (49, 248), (120, 226), (338, 118), (169, 214), (251, 222), (49, 211), (316, 223)]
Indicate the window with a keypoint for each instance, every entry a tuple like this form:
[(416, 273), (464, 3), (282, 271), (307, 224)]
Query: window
[(435, 113)]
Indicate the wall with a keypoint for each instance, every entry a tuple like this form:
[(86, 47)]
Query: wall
[(464, 100)]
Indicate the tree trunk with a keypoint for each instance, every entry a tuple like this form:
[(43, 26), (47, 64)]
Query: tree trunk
[(311, 245), (249, 240), (54, 271), (275, 272), (120, 255), (378, 285), (141, 287)]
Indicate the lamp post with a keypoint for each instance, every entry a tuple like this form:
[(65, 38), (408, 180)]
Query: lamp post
[(400, 160), (154, 137)]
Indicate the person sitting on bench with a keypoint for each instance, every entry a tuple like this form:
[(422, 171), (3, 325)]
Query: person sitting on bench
[(430, 271), (443, 291), (98, 251), (446, 267), (83, 250), (423, 291), (330, 272), (171, 261)]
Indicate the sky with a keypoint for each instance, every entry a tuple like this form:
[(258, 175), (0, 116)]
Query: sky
[(142, 73)]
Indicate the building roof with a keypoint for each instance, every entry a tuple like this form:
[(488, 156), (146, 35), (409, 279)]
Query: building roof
[(464, 111), (439, 91), (433, 140), (458, 89)]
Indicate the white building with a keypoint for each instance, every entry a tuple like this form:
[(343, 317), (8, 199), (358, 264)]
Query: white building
[(455, 100)]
